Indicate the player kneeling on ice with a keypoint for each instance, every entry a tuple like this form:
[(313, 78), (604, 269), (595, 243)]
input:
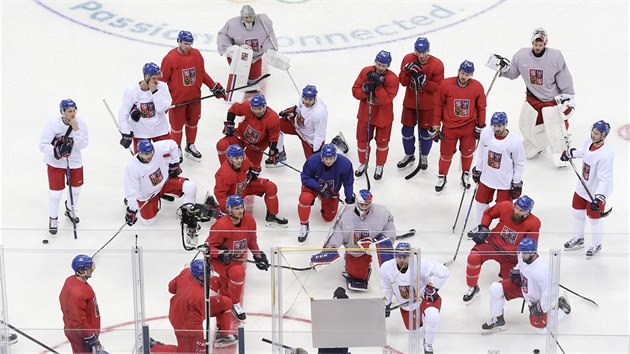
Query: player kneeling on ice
[(528, 280), (237, 175), (356, 230), (153, 172), (230, 238), (398, 281)]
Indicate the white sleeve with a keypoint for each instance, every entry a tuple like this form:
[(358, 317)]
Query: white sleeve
[(128, 101), (45, 140), (439, 273), (605, 175), (543, 281), (270, 41), (482, 148), (390, 228), (386, 283), (81, 137), (224, 41), (512, 72), (320, 126), (518, 156), (162, 98), (132, 186)]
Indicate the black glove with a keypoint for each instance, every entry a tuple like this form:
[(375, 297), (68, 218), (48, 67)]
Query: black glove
[(375, 77), (91, 341), (567, 154), (261, 261), (288, 113), (369, 87), (419, 79), (131, 217), (480, 234), (351, 200), (253, 173), (476, 174), (62, 147), (411, 68), (126, 140), (388, 310), (517, 189), (478, 130), (536, 310), (515, 276), (174, 170), (218, 90), (273, 152), (430, 293), (598, 203), (225, 256), (326, 190), (229, 127), (135, 113)]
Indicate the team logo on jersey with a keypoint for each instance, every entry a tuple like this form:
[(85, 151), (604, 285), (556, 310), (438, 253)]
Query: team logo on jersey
[(189, 75), (252, 135), (97, 312), (253, 42), (461, 107), (240, 186), (494, 159), (524, 283), (405, 291), (536, 76), (586, 171), (156, 177), (147, 109), (299, 120), (239, 248), (360, 234), (508, 235)]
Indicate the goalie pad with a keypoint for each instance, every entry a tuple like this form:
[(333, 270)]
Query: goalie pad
[(556, 130), (324, 257), (357, 284), (277, 60), (534, 137), (239, 72)]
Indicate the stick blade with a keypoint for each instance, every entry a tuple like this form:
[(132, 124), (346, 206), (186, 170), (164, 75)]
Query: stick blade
[(413, 173)]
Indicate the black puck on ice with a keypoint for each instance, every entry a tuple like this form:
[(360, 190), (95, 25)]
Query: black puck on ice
[(44, 241), (536, 351)]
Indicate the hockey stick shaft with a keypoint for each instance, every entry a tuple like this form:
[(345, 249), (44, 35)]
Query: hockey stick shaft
[(30, 338), (265, 153), (578, 295), (367, 144), (111, 114), (227, 91), (279, 266), (552, 336), (492, 82), (275, 47), (459, 209), (270, 342), (461, 236), (69, 181), (417, 169)]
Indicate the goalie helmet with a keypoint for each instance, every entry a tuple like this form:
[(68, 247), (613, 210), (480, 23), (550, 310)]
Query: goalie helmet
[(234, 150), (383, 57), (468, 67), (65, 104), (248, 16), (145, 146), (363, 203), (309, 91), (499, 118), (185, 36), (233, 201), (602, 126), (540, 34), (421, 45), (151, 69), (527, 245), (402, 249), (81, 263), (258, 101), (524, 202), (196, 268)]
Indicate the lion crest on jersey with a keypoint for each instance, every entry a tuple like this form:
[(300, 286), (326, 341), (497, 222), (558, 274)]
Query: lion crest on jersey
[(405, 291), (461, 107), (536, 76), (494, 159), (156, 177), (524, 284), (299, 120), (97, 312), (240, 186), (360, 234), (253, 42), (252, 135), (189, 75), (586, 171), (239, 248), (147, 109), (508, 235)]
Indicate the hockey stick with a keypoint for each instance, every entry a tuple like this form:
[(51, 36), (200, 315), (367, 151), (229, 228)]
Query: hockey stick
[(281, 266), (464, 227), (602, 214), (227, 91), (459, 209), (69, 181), (552, 336), (417, 169), (30, 338), (111, 114), (275, 47), (367, 145), (578, 295), (492, 82), (265, 153)]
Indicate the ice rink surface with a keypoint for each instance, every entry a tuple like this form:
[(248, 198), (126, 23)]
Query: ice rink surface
[(90, 51)]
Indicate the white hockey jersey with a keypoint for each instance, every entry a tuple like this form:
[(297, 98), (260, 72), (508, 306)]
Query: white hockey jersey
[(350, 228), (535, 282), (56, 128), (400, 285), (145, 180), (597, 170), (234, 32), (501, 162), (153, 121), (310, 122)]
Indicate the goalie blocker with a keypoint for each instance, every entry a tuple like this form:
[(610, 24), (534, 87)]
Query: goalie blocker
[(191, 215)]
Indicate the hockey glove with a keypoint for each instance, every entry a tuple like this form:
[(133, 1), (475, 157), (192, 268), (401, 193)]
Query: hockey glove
[(324, 257), (478, 130), (273, 153), (369, 87), (567, 154), (91, 341), (174, 170), (515, 276), (598, 203), (419, 79), (388, 310), (436, 135), (378, 79), (504, 63), (288, 113), (261, 261), (326, 190), (412, 68), (228, 127), (476, 174), (126, 140), (253, 173), (536, 310), (480, 234), (224, 256), (365, 242), (135, 113), (430, 293), (340, 293), (567, 102), (130, 217), (517, 189), (218, 91)]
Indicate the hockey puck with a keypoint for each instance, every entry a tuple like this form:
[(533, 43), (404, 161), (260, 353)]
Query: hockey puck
[(536, 351), (44, 241)]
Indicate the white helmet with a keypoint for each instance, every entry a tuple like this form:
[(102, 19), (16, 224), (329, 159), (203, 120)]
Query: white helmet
[(540, 33), (363, 203), (248, 16)]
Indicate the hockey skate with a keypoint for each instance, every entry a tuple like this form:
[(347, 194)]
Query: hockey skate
[(471, 295), (378, 172), (563, 304), (361, 170), (341, 143), (238, 312), (304, 229), (53, 225), (428, 348), (282, 156), (593, 251), (356, 284), (192, 152), (275, 220), (574, 244), (440, 183), (424, 162), (68, 213), (466, 179), (225, 340), (406, 161), (496, 324)]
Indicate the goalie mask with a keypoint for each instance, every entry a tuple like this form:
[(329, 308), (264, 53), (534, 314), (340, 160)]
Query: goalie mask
[(248, 16), (363, 203)]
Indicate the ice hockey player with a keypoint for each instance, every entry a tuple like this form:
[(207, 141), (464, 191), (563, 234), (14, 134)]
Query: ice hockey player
[(516, 222), (230, 238), (360, 227), (399, 282), (421, 74), (528, 280), (460, 115), (184, 71), (549, 100), (251, 29), (142, 114), (153, 172), (590, 201), (259, 129), (61, 142), (237, 175), (323, 175), (375, 88), (500, 165)]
